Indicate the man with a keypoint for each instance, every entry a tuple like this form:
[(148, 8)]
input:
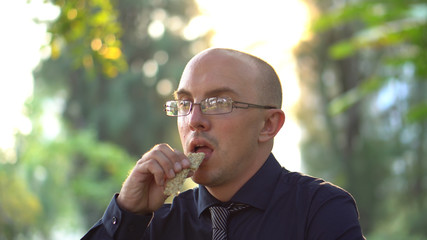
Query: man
[(228, 107)]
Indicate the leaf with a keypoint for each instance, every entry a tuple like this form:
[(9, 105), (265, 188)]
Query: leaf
[(348, 99), (417, 113), (340, 16), (372, 84), (342, 50), (344, 102)]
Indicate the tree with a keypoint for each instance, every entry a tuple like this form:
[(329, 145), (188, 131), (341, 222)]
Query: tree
[(112, 66), (365, 70)]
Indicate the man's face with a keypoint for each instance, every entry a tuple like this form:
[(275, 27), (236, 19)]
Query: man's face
[(229, 141)]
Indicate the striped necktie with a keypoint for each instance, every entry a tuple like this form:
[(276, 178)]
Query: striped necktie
[(219, 216)]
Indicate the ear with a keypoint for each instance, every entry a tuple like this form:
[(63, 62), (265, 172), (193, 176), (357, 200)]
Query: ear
[(273, 122)]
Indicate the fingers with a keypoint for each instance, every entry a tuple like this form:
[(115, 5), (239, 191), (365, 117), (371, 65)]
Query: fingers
[(143, 190), (162, 162)]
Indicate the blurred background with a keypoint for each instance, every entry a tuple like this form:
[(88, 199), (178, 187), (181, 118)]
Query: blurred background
[(83, 85)]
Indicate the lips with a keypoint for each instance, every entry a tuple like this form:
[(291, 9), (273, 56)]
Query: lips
[(201, 145), (203, 149)]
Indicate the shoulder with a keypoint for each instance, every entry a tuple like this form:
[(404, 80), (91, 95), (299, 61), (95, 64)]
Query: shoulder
[(331, 211), (310, 194), (312, 187)]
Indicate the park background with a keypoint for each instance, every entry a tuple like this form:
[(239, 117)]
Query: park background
[(83, 84)]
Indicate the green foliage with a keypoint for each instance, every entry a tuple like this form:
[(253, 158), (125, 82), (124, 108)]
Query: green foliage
[(51, 176), (20, 208), (346, 100), (343, 49), (417, 113), (89, 30), (364, 110), (123, 108), (103, 80)]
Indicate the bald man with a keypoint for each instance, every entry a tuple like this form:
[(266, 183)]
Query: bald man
[(228, 106)]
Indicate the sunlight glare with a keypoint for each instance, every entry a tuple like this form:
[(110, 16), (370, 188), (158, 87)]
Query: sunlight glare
[(269, 29), (246, 23), (20, 43)]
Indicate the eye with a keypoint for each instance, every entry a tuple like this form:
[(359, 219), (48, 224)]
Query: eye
[(222, 101), (184, 104), (212, 102)]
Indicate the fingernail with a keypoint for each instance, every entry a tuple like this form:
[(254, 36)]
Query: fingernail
[(171, 173), (185, 162), (177, 167)]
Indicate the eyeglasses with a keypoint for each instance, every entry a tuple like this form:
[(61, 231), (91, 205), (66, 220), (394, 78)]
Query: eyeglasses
[(208, 106)]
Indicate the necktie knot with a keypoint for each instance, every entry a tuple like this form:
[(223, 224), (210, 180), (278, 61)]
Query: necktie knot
[(219, 217)]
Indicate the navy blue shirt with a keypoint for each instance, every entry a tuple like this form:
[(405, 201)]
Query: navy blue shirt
[(283, 205)]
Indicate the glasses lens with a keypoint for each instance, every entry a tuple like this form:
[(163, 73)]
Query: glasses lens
[(216, 105), (184, 107), (171, 108), (177, 108)]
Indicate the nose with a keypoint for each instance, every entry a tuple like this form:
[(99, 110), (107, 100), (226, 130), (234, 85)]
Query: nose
[(198, 121)]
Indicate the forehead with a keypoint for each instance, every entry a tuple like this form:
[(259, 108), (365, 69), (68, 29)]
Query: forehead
[(214, 92), (218, 73)]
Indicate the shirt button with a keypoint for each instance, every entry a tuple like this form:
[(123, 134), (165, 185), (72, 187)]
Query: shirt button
[(114, 220)]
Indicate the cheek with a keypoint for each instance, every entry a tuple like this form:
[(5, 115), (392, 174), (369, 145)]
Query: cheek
[(236, 134), (181, 129), (244, 134)]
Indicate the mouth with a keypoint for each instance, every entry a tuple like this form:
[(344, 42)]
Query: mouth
[(201, 146)]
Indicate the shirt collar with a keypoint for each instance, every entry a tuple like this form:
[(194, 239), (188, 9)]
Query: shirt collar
[(256, 192)]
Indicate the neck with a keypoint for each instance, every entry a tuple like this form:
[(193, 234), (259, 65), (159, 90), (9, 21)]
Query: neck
[(225, 192)]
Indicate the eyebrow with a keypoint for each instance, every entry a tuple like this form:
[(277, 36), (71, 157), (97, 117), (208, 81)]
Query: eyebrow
[(214, 92)]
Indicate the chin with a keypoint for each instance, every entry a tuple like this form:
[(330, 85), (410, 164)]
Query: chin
[(200, 178), (197, 179)]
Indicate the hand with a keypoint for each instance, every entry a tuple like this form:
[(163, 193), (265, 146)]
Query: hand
[(142, 192)]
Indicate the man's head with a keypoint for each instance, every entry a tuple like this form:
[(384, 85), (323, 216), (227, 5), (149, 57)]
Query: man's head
[(266, 81), (236, 144)]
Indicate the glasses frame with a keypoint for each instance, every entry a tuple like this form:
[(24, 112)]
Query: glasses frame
[(234, 104)]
